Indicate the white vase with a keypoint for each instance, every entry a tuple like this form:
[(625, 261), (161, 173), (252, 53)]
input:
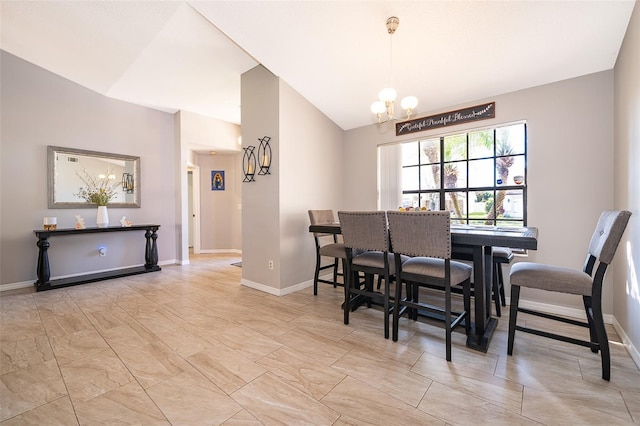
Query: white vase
[(102, 219)]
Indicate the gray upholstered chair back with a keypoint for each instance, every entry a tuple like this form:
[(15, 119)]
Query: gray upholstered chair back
[(364, 230), (317, 217), (422, 233), (607, 235)]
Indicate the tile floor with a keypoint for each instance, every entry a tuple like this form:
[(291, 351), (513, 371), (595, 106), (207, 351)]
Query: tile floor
[(191, 346)]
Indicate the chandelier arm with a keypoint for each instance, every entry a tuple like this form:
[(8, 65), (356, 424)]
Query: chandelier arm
[(408, 103)]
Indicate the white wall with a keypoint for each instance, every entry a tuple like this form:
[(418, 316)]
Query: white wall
[(220, 215), (310, 178), (200, 131), (306, 174), (261, 199), (570, 134), (626, 266), (40, 108)]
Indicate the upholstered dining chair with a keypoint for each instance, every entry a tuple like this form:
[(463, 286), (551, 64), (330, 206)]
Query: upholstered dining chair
[(327, 245), (425, 236), (366, 239), (586, 283)]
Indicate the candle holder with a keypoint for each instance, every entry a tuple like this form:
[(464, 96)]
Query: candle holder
[(249, 164), (264, 155), (127, 183)]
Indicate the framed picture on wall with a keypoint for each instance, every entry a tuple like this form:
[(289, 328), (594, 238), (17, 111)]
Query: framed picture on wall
[(217, 180)]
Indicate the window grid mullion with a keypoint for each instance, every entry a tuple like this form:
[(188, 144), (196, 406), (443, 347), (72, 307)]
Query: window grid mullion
[(494, 189)]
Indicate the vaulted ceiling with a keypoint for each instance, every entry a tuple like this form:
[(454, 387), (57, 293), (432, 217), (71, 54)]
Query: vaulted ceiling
[(173, 56)]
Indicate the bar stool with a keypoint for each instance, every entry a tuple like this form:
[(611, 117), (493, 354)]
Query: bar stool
[(366, 238), (586, 283), (426, 237), (327, 245)]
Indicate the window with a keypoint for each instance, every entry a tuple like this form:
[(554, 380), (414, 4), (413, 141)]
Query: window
[(479, 176)]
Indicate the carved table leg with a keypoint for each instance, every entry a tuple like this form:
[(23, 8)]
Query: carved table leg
[(147, 250), (43, 272), (154, 249), (151, 249)]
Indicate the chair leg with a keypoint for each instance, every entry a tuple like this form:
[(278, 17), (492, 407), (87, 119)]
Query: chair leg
[(335, 272), (592, 327), (415, 298), (316, 275), (447, 317), (396, 309), (466, 294), (513, 316), (348, 282), (496, 288), (386, 307), (603, 340), (503, 298)]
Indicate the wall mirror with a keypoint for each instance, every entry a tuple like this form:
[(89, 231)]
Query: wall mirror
[(67, 166)]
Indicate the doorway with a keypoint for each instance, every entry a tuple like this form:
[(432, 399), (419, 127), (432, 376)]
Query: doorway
[(193, 208)]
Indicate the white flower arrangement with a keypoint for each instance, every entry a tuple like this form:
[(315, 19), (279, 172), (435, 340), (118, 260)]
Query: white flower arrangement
[(98, 190)]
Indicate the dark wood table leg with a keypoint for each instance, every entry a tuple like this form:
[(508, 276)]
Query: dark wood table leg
[(43, 271), (151, 250), (484, 325), (154, 249), (147, 250), (487, 288)]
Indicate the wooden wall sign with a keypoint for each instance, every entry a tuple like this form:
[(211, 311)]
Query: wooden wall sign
[(478, 112)]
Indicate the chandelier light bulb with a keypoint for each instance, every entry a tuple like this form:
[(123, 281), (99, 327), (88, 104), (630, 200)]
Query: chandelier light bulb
[(387, 95), (408, 103), (378, 107)]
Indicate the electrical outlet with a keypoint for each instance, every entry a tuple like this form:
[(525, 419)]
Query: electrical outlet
[(271, 264), (102, 251)]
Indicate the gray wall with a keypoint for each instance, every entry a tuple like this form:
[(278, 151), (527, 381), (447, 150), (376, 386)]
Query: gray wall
[(261, 199), (220, 217), (40, 108), (311, 177), (307, 172), (570, 166), (626, 266)]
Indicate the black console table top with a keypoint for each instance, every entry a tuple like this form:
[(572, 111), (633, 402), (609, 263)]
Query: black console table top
[(92, 230), (44, 271)]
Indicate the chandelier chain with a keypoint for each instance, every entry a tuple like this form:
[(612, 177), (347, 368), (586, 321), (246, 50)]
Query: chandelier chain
[(387, 96)]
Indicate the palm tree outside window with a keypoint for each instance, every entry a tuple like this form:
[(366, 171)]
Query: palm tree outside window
[(479, 176)]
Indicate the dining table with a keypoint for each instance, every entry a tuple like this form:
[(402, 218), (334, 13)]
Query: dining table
[(475, 242)]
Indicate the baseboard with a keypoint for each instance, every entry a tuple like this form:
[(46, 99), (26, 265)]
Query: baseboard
[(16, 286), (628, 344), (276, 291), (25, 284), (217, 251)]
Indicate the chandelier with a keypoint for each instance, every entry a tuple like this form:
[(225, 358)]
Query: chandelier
[(387, 96)]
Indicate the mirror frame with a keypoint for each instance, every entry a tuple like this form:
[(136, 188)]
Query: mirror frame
[(51, 167)]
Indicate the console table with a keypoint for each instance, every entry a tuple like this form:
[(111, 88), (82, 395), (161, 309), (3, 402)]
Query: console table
[(44, 272)]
